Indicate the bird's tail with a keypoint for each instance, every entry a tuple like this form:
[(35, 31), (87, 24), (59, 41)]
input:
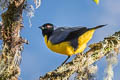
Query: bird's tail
[(100, 26)]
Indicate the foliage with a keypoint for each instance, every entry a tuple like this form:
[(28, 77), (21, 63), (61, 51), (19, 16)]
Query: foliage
[(96, 1)]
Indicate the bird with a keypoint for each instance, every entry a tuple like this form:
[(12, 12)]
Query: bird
[(67, 40)]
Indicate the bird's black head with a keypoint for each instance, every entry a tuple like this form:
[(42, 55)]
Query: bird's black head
[(47, 29)]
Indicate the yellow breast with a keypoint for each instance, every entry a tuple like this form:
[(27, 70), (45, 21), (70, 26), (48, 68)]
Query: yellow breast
[(65, 47), (62, 48)]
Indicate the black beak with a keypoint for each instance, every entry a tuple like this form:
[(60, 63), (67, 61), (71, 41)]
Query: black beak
[(40, 27)]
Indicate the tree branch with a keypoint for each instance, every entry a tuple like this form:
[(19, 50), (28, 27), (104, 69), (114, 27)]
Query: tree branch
[(12, 41), (81, 61)]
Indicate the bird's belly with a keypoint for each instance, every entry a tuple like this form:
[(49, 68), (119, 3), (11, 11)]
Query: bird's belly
[(62, 48), (65, 48)]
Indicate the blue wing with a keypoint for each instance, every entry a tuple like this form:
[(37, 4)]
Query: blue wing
[(66, 34)]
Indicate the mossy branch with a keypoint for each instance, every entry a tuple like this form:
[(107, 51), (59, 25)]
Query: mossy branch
[(82, 61), (12, 41)]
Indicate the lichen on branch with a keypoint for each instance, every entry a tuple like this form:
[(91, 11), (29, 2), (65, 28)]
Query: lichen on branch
[(12, 41)]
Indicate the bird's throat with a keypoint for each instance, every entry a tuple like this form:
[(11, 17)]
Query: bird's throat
[(48, 34)]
